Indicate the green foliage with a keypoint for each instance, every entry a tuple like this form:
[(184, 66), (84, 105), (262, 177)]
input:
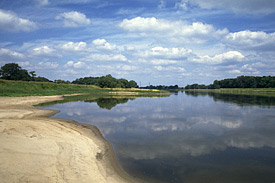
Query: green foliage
[(240, 97), (22, 88), (109, 103), (59, 81), (239, 82), (13, 71), (107, 81), (40, 79), (196, 86), (162, 87)]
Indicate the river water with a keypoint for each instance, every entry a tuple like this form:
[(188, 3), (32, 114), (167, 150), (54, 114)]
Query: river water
[(186, 137)]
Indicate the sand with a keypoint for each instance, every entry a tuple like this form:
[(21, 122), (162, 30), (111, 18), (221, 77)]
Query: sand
[(36, 148)]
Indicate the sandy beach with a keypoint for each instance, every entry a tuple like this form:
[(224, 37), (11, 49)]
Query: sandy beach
[(36, 148)]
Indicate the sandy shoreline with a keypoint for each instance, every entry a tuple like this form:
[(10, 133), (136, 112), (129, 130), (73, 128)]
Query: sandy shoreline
[(36, 148)]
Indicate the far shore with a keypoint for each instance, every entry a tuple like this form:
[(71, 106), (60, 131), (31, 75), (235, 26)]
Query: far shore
[(36, 148)]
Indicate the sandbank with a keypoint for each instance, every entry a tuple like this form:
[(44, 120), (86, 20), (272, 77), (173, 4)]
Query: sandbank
[(36, 148)]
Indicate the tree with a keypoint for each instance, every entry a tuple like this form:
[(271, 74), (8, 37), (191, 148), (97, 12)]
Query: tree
[(133, 84), (13, 71)]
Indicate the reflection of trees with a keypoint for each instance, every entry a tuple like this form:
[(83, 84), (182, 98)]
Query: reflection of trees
[(241, 100), (109, 103)]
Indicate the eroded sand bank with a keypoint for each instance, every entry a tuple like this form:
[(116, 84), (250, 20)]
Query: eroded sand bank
[(36, 148)]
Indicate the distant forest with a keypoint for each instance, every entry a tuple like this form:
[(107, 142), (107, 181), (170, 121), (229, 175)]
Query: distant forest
[(239, 82), (162, 87), (13, 71), (106, 82)]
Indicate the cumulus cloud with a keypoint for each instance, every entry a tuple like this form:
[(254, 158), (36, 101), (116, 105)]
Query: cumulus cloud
[(230, 57), (73, 19), (47, 65), (105, 57), (168, 53), (77, 65), (162, 62), (7, 55), (103, 44), (251, 40), (9, 21), (170, 68), (127, 67), (74, 46), (240, 6), (44, 51), (196, 32), (258, 68)]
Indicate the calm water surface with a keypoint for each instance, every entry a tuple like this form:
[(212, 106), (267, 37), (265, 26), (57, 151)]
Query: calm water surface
[(188, 137)]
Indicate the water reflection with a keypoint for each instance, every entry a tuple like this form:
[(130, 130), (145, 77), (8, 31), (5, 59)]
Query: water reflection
[(184, 138), (105, 102), (241, 100)]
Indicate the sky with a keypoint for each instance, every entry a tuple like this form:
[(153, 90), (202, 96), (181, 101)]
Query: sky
[(157, 42)]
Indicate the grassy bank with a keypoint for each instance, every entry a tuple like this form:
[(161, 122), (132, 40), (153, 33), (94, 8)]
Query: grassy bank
[(241, 91), (23, 88)]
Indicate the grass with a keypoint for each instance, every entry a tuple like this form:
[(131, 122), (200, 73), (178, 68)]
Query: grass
[(241, 91), (23, 88)]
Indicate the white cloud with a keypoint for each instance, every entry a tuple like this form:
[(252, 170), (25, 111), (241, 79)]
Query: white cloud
[(77, 65), (74, 46), (170, 68), (127, 67), (9, 21), (182, 5), (162, 62), (168, 53), (230, 57), (257, 68), (103, 44), (196, 32), (69, 64), (140, 24), (105, 57), (47, 65), (73, 19), (251, 40), (9, 53), (235, 71), (44, 51), (240, 6), (129, 48)]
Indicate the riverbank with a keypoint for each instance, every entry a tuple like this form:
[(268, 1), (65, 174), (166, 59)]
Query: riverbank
[(29, 88), (36, 148)]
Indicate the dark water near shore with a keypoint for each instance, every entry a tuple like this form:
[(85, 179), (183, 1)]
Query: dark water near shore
[(188, 137)]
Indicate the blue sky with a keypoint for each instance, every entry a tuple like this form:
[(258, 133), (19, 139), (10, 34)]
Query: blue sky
[(157, 42)]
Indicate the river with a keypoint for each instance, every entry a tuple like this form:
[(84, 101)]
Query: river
[(186, 137)]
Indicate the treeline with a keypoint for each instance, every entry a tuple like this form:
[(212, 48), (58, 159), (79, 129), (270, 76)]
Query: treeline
[(106, 82), (162, 87), (13, 71), (239, 82)]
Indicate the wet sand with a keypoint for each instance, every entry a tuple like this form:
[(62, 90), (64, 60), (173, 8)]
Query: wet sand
[(36, 148)]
